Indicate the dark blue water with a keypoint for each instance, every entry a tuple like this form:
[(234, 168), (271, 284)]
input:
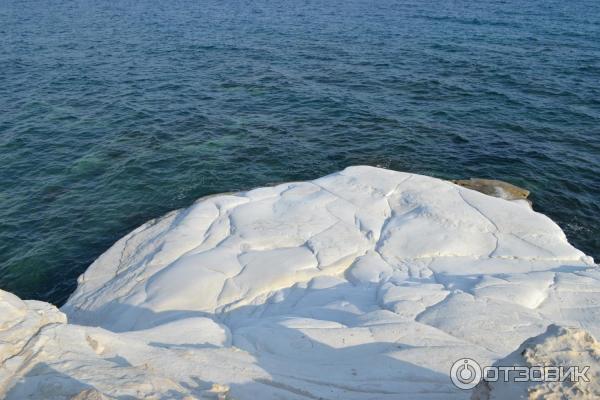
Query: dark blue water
[(115, 112)]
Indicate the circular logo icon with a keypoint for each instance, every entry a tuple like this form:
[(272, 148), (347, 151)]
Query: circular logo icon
[(465, 373)]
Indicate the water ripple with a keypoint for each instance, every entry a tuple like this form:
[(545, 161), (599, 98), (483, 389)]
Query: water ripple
[(112, 113)]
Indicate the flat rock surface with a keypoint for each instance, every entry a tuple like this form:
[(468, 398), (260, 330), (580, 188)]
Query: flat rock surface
[(364, 284)]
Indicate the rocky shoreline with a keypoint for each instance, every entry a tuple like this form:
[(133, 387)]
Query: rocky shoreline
[(364, 284)]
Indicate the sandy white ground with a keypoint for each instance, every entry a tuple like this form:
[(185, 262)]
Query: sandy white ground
[(365, 284)]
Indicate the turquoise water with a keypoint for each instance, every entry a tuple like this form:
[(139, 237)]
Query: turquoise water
[(112, 113)]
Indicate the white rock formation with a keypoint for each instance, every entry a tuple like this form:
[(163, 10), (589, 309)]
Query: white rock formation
[(557, 347), (365, 284)]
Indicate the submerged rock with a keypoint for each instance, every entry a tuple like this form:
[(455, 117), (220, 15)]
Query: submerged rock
[(364, 284)]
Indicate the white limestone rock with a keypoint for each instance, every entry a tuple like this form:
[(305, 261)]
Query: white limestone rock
[(365, 284), (557, 347)]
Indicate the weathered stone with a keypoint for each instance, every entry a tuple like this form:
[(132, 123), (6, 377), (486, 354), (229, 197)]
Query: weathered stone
[(493, 187)]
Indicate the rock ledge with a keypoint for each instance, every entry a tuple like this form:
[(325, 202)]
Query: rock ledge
[(364, 284)]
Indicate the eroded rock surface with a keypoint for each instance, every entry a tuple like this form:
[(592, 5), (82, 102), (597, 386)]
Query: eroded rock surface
[(557, 347), (496, 188), (365, 284)]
